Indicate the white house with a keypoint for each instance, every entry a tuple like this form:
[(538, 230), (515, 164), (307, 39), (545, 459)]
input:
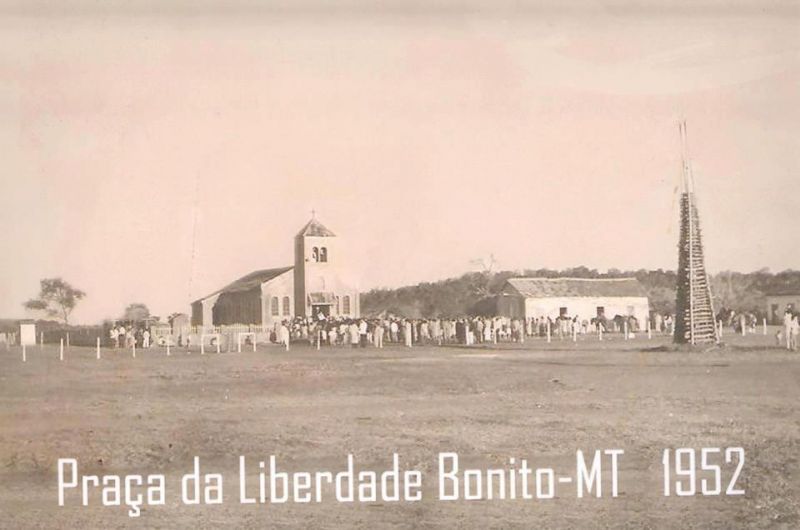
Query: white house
[(581, 297)]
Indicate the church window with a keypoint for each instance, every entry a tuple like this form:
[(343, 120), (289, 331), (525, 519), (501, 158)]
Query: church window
[(346, 305), (323, 254), (275, 307), (286, 305), (315, 254)]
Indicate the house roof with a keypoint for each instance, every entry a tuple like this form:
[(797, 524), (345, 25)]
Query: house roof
[(250, 281), (577, 287), (316, 229), (782, 291)]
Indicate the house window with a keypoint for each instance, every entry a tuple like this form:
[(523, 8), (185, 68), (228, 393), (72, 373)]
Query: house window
[(286, 305), (275, 307), (346, 305), (323, 254), (315, 254)]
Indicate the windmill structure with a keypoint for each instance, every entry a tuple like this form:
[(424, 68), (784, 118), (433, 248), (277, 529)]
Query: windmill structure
[(694, 310)]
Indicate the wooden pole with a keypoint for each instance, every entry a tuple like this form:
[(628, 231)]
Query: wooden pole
[(98, 348)]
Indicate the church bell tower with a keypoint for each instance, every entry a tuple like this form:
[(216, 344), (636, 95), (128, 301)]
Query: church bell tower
[(317, 285)]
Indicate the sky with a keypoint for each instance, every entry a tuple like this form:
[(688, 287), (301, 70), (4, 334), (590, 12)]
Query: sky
[(155, 151)]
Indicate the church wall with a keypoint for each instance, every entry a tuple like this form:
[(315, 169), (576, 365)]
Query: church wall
[(281, 288), (238, 308)]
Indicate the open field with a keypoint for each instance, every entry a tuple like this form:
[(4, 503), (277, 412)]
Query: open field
[(153, 414)]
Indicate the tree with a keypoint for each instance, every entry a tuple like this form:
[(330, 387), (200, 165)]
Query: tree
[(136, 312), (57, 298)]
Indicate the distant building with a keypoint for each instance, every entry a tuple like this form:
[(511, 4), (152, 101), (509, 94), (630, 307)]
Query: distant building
[(585, 298), (316, 283), (777, 300)]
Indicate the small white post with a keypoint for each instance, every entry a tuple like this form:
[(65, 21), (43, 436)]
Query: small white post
[(548, 331), (574, 332), (133, 349), (287, 344), (24, 354), (720, 328), (41, 340), (319, 339), (764, 323), (61, 350), (255, 340), (625, 329), (67, 339), (743, 325), (600, 331), (218, 339), (238, 343), (494, 333), (202, 345), (98, 348), (167, 347), (649, 330)]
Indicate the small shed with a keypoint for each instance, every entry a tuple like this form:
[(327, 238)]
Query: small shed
[(778, 301)]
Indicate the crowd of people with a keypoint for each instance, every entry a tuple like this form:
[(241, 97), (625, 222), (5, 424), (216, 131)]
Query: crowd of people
[(361, 332), (132, 336)]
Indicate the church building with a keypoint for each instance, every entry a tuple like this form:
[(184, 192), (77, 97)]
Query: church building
[(316, 283)]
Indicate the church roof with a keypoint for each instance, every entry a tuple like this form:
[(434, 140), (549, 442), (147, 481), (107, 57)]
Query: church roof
[(577, 287), (250, 281), (316, 229)]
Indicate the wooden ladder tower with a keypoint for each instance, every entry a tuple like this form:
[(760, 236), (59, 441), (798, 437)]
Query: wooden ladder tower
[(694, 310)]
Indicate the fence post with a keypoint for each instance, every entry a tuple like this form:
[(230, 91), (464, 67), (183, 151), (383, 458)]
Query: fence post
[(764, 323), (649, 330), (548, 331), (167, 347), (41, 340), (133, 349), (98, 348), (24, 354)]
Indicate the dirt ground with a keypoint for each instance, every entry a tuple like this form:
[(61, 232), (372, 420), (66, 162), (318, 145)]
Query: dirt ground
[(542, 402)]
